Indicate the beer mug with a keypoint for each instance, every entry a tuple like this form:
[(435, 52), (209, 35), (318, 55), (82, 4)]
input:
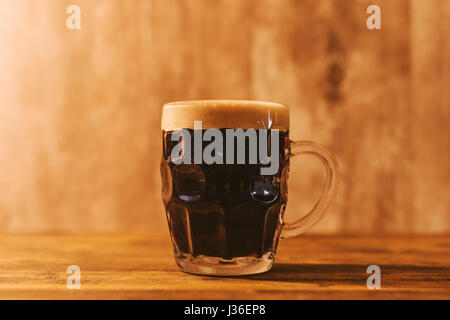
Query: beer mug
[(224, 170)]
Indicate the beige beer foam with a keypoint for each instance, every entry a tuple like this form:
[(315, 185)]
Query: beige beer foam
[(218, 114)]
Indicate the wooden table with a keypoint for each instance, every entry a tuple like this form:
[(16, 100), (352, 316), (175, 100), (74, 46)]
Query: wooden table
[(142, 267)]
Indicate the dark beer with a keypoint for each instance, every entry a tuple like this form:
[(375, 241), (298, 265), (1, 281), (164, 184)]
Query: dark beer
[(224, 210)]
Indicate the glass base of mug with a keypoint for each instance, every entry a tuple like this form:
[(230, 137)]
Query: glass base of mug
[(215, 266)]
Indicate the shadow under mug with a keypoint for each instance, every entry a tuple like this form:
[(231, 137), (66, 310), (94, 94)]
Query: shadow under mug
[(226, 217)]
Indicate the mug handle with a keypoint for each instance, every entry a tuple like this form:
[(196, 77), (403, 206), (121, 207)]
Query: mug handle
[(292, 229)]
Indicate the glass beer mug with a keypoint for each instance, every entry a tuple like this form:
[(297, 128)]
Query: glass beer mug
[(224, 170)]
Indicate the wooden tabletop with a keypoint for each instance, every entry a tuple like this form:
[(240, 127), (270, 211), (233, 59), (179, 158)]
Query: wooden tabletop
[(142, 267)]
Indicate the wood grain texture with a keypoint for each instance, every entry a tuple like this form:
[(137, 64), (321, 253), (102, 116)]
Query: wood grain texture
[(142, 267), (79, 123)]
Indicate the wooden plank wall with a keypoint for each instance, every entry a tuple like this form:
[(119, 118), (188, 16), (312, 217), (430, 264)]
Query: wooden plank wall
[(80, 110)]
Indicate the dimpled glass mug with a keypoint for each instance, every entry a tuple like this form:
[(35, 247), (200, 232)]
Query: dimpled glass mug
[(224, 171)]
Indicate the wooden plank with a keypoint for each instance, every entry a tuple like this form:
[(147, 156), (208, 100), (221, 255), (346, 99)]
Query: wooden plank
[(79, 127), (142, 267), (430, 78)]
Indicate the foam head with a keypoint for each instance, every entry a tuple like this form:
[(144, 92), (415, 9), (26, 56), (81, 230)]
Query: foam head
[(218, 114)]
